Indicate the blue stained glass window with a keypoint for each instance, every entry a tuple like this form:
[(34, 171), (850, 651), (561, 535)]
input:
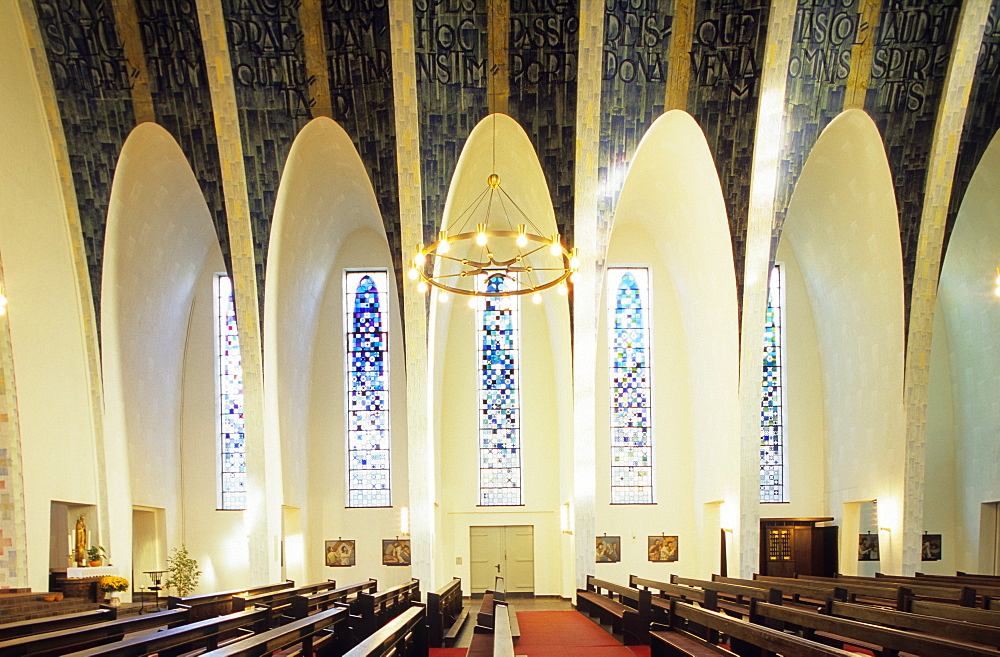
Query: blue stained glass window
[(367, 390), (631, 412), (232, 448), (499, 398), (772, 429)]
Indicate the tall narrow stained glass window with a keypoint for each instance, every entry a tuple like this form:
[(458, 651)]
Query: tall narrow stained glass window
[(368, 389), (499, 397), (631, 421), (232, 448), (772, 424)]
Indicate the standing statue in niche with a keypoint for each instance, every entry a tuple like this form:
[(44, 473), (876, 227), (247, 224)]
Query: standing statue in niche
[(81, 542)]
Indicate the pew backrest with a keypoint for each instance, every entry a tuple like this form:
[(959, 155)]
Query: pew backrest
[(868, 590), (299, 631), (888, 638), (204, 634), (736, 590), (683, 615), (61, 642), (402, 636), (56, 623), (503, 639), (705, 598), (303, 605), (944, 627), (953, 612), (443, 607), (790, 587)]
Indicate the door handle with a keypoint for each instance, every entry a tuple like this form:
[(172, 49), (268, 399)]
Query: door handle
[(498, 568)]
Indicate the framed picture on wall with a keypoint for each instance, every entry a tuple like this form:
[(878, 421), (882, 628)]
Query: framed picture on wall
[(931, 547), (868, 547), (339, 553), (663, 548), (609, 549), (395, 552)]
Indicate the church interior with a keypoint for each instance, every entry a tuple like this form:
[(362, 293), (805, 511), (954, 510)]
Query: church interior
[(779, 233)]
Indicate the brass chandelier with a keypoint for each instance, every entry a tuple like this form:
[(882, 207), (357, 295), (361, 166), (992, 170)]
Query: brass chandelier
[(494, 236)]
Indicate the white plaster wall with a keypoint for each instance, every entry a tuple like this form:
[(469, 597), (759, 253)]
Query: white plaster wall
[(544, 379), (160, 249), (326, 219), (806, 444), (942, 488), (972, 316), (47, 329), (843, 229), (671, 217)]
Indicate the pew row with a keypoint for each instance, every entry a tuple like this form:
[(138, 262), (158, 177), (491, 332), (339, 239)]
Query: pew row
[(349, 596), (695, 632), (207, 605), (403, 636), (70, 640), (625, 609), (446, 613), (323, 632), (206, 634), (56, 623), (842, 632)]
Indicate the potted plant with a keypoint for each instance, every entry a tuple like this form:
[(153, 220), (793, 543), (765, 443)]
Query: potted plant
[(94, 554), (113, 586), (182, 572)]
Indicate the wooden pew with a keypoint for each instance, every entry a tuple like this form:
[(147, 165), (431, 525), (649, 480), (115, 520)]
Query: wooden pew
[(329, 625), (207, 605), (484, 618), (376, 609), (64, 641), (814, 594), (279, 601), (206, 634), (733, 599), (404, 636), (627, 610), (446, 613), (303, 605), (694, 632), (936, 591), (959, 630), (56, 623), (866, 592), (953, 612), (829, 629), (663, 592)]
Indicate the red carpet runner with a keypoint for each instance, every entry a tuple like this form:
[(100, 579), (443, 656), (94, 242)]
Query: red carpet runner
[(560, 634)]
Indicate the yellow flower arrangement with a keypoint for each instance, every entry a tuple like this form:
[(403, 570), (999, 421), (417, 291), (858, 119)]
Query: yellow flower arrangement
[(109, 583)]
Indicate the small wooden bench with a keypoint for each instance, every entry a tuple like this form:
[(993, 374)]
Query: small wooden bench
[(403, 636), (57, 623), (320, 632), (206, 634), (62, 642), (625, 609), (696, 632), (446, 613)]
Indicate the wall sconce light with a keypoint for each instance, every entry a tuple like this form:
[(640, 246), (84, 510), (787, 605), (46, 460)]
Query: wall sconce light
[(997, 290), (404, 521), (3, 304), (564, 519)]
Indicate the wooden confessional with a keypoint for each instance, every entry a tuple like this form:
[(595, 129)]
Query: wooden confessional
[(796, 546)]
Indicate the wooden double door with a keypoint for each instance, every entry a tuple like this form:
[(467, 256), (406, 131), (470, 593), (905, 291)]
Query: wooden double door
[(506, 551)]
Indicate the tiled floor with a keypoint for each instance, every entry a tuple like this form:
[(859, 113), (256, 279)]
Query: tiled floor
[(544, 603)]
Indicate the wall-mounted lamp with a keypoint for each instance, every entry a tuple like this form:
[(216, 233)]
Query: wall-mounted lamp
[(997, 290), (564, 519), (3, 303), (404, 521)]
